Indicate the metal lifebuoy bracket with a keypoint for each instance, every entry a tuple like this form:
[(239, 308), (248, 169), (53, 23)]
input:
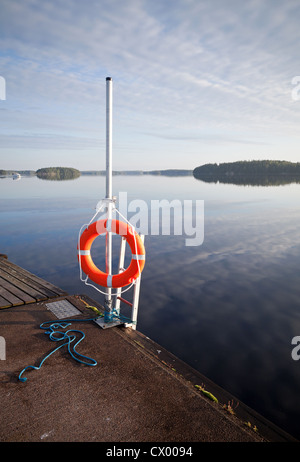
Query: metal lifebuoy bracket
[(135, 243)]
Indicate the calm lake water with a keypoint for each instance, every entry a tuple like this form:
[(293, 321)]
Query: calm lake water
[(229, 307)]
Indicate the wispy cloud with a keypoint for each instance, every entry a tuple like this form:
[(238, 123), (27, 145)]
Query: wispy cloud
[(182, 66), (48, 141)]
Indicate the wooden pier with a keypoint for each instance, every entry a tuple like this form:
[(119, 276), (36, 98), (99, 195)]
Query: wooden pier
[(19, 287), (138, 391)]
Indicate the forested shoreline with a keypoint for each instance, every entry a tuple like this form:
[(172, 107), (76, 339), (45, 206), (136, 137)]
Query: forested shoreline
[(58, 173), (258, 172)]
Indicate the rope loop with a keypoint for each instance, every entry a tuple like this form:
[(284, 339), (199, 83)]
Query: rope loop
[(69, 336)]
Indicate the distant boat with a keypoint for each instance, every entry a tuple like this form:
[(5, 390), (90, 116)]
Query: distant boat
[(16, 176)]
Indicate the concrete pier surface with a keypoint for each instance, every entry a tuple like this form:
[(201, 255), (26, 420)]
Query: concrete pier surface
[(137, 392)]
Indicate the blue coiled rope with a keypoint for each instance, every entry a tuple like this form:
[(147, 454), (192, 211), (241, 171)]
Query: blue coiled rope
[(70, 336)]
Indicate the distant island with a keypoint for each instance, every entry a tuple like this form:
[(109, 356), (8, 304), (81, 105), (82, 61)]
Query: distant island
[(67, 173), (256, 172), (58, 173)]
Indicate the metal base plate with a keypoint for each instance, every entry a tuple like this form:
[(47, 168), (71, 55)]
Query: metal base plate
[(105, 325)]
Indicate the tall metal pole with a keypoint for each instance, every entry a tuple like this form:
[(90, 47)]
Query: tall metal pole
[(109, 183)]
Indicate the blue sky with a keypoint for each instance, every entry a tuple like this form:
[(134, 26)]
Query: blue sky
[(193, 82)]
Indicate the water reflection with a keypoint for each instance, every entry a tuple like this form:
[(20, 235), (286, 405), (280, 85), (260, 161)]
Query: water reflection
[(57, 179), (229, 307), (259, 180)]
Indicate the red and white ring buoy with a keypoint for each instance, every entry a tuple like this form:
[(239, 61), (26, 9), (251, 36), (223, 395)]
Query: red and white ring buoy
[(135, 243)]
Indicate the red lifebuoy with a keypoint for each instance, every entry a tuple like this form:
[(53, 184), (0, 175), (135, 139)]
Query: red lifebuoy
[(135, 243)]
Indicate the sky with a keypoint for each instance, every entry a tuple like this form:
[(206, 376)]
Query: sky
[(194, 82)]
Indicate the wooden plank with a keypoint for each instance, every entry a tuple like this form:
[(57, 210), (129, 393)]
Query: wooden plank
[(15, 291), (10, 297), (4, 303), (18, 286), (20, 279), (26, 289), (19, 272)]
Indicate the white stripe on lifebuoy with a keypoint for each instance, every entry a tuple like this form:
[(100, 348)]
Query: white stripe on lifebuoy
[(109, 280), (138, 257), (84, 252)]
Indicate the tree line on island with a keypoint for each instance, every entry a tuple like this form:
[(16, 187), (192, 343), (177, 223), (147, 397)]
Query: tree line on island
[(64, 173), (67, 173), (255, 172), (58, 173), (48, 173)]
